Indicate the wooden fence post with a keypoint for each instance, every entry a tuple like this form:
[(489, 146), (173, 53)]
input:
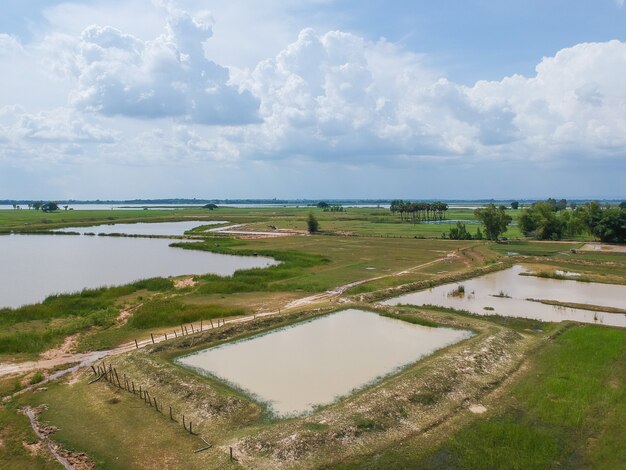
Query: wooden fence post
[(152, 336), (171, 415), (136, 345)]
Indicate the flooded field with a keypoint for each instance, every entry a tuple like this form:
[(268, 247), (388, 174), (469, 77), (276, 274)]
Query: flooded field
[(314, 363), (143, 228), (506, 292), (36, 266)]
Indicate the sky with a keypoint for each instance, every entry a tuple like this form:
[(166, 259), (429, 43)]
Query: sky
[(454, 99)]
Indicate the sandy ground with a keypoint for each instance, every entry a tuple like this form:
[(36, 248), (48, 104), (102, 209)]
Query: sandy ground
[(182, 283), (239, 230), (604, 247), (66, 349)]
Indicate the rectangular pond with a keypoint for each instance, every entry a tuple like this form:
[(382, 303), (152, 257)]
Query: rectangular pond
[(506, 293), (296, 368)]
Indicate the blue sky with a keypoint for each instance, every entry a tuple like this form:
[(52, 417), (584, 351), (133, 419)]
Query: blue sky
[(312, 98)]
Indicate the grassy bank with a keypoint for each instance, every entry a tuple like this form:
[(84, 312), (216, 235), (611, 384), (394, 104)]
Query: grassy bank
[(34, 328), (567, 410)]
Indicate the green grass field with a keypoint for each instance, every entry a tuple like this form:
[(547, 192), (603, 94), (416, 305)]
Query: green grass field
[(377, 222), (567, 410)]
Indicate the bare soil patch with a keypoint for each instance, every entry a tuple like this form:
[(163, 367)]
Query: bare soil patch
[(67, 348), (184, 283), (603, 247)]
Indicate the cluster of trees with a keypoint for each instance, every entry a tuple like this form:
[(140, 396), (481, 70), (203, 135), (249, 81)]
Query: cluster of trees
[(460, 233), (330, 207), (418, 212), (45, 206), (548, 220)]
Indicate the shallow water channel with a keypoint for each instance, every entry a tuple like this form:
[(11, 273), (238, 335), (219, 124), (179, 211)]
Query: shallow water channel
[(143, 228), (482, 297), (33, 267), (313, 363)]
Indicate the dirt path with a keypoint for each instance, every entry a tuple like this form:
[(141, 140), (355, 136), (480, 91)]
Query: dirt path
[(86, 359), (233, 230), (338, 291)]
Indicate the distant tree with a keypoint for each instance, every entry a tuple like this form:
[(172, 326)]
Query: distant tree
[(37, 205), (478, 235), (502, 206), (559, 205), (495, 220), (622, 205), (210, 206), (323, 205), (49, 207), (65, 207), (312, 223), (515, 205)]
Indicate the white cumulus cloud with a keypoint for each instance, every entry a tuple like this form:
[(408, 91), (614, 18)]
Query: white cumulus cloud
[(337, 96), (169, 76)]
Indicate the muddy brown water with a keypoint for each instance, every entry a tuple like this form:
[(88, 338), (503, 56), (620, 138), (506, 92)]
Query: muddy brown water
[(33, 267), (297, 368), (480, 291)]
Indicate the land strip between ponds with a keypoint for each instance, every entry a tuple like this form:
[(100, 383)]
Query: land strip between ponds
[(90, 357)]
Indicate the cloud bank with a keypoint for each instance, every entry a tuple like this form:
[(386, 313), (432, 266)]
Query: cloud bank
[(330, 97)]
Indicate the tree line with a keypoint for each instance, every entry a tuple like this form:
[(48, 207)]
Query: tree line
[(418, 212), (549, 220)]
